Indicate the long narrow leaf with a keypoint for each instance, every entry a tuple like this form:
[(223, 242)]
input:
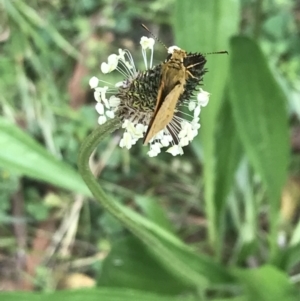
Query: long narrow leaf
[(260, 114), (20, 153), (206, 26)]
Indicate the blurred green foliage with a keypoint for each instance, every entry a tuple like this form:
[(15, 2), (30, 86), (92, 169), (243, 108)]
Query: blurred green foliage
[(227, 211)]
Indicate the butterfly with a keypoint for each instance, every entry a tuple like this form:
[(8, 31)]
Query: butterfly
[(181, 73)]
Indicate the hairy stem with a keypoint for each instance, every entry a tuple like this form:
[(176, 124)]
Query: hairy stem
[(162, 251)]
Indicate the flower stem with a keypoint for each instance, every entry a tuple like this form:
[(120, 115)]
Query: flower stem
[(162, 250)]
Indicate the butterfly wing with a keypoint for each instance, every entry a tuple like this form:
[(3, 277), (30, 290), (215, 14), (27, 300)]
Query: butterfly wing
[(163, 116)]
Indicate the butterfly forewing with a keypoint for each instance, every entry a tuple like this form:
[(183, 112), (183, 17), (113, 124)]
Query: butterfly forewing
[(165, 114)]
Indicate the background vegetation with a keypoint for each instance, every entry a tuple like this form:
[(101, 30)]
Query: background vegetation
[(224, 217)]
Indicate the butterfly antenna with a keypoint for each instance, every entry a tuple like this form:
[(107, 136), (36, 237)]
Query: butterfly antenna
[(216, 52), (156, 38)]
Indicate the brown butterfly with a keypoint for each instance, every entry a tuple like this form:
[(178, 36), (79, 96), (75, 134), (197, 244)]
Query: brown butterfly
[(180, 75), (174, 76)]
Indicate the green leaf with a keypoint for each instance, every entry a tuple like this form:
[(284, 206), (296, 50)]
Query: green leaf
[(133, 265), (228, 156), (203, 268), (154, 212), (260, 115), (20, 153), (130, 264), (206, 26), (267, 284), (102, 294)]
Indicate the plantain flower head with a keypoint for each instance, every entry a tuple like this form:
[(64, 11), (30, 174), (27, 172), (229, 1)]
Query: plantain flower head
[(133, 101)]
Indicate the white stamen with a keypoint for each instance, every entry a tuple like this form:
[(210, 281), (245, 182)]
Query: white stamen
[(147, 43), (203, 98), (100, 108), (102, 119), (94, 81)]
